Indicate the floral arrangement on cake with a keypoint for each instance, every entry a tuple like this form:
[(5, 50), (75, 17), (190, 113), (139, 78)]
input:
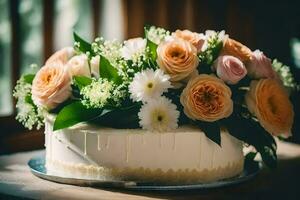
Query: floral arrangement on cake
[(163, 81)]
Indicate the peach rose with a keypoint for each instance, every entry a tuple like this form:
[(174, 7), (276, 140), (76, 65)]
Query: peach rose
[(236, 49), (195, 38), (269, 101), (62, 55), (178, 58), (230, 69), (260, 66), (79, 66), (51, 85), (206, 98)]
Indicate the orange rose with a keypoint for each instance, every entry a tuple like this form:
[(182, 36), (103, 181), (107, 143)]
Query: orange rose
[(178, 58), (195, 38), (62, 55), (206, 98), (51, 85), (236, 49), (269, 101)]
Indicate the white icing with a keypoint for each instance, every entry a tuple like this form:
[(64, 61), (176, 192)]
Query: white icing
[(186, 148), (99, 143)]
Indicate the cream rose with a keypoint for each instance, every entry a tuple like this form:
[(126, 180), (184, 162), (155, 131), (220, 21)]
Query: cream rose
[(236, 49), (178, 58), (206, 98), (230, 69), (95, 64), (196, 39), (79, 66), (62, 55), (260, 66), (51, 85), (269, 101)]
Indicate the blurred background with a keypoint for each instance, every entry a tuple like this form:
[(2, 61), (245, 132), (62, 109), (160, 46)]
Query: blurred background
[(31, 30)]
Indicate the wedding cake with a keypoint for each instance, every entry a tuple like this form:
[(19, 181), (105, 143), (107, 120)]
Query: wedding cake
[(171, 107)]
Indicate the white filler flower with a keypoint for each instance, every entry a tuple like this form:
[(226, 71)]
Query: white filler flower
[(133, 48), (149, 84), (159, 115)]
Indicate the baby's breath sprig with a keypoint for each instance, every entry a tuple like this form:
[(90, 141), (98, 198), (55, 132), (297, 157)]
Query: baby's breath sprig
[(156, 34), (285, 75), (101, 93), (28, 113)]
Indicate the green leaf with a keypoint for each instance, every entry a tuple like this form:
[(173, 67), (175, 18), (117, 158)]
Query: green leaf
[(82, 81), (151, 45), (28, 78), (250, 131), (74, 113), (127, 117), (28, 99), (211, 130), (84, 46), (109, 72)]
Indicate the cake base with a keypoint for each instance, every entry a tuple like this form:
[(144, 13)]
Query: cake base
[(185, 155)]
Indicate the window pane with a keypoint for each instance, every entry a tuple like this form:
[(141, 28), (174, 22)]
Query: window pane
[(5, 59), (31, 37), (71, 15), (112, 22)]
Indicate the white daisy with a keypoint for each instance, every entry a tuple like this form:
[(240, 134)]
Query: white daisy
[(159, 115), (149, 84), (133, 48)]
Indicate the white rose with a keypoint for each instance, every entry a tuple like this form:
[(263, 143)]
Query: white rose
[(79, 66), (133, 47), (95, 64)]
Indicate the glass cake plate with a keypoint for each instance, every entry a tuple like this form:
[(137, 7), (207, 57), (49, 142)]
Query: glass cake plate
[(38, 168)]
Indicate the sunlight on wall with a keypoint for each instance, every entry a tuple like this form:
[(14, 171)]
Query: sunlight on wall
[(112, 23), (5, 56), (71, 15), (31, 37)]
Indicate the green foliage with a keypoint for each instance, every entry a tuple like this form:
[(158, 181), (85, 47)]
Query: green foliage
[(82, 45), (243, 127), (82, 81), (28, 78), (109, 72), (124, 117), (74, 113), (211, 130), (210, 54), (150, 45)]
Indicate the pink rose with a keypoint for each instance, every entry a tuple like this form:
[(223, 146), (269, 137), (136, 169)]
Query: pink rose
[(230, 69), (260, 66), (51, 85)]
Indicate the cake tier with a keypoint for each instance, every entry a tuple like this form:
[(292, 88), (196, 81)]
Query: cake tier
[(183, 155)]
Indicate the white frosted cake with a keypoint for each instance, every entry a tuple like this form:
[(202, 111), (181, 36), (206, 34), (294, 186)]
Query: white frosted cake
[(182, 155), (171, 107)]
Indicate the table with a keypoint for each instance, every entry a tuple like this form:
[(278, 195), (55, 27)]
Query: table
[(16, 182)]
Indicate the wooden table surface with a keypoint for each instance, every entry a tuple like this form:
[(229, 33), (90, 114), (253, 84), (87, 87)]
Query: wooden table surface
[(16, 182)]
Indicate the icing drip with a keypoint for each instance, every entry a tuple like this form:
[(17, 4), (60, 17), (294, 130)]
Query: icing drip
[(75, 149), (200, 140), (50, 142), (107, 142), (45, 144), (174, 141), (127, 147), (143, 139), (99, 144), (213, 157), (160, 142), (85, 142)]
